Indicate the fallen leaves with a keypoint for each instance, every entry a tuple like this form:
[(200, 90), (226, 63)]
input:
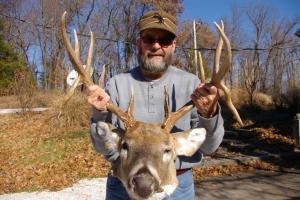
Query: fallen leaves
[(271, 135), (35, 157), (39, 152), (204, 172)]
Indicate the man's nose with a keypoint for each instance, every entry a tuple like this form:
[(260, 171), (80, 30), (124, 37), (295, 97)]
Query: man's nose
[(156, 45)]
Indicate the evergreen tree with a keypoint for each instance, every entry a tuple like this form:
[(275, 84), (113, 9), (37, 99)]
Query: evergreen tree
[(10, 62)]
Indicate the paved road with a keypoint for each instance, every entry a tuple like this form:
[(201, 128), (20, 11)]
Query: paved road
[(19, 110), (256, 185)]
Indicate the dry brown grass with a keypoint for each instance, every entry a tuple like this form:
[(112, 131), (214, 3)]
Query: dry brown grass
[(241, 98), (76, 113), (39, 99), (238, 96), (263, 101), (292, 99)]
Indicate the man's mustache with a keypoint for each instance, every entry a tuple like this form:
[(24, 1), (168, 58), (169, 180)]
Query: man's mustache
[(156, 54)]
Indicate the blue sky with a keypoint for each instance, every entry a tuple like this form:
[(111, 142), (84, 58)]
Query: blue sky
[(213, 10)]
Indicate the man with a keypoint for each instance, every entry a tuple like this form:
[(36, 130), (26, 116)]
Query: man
[(156, 45)]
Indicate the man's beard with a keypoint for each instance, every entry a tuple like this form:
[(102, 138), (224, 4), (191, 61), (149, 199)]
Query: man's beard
[(153, 65)]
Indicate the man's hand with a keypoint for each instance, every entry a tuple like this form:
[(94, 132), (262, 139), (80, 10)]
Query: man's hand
[(205, 98), (97, 97)]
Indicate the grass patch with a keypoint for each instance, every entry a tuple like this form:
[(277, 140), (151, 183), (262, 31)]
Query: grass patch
[(54, 150)]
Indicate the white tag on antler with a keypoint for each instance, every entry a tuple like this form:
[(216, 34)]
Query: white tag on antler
[(72, 77)]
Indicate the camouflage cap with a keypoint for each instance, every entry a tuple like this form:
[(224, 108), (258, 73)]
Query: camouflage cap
[(159, 20)]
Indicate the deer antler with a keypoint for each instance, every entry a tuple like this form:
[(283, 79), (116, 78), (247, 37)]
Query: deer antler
[(219, 73), (201, 68), (172, 117), (88, 69), (217, 77), (102, 77), (127, 118)]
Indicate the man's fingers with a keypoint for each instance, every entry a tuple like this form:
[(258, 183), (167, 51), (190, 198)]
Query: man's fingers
[(97, 97), (201, 91), (211, 89)]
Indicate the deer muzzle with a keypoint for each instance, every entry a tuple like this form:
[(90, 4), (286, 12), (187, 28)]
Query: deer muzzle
[(144, 183)]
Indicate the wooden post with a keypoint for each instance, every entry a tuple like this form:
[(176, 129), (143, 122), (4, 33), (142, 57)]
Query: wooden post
[(297, 132), (195, 47)]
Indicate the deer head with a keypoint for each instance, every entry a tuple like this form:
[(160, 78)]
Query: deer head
[(147, 151)]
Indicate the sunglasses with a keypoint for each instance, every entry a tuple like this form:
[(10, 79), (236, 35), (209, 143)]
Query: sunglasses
[(164, 41)]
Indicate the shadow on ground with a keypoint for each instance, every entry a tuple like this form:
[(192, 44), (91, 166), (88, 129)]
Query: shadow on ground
[(267, 185), (267, 135)]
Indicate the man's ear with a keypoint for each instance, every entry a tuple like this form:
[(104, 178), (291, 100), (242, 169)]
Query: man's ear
[(188, 142), (174, 44)]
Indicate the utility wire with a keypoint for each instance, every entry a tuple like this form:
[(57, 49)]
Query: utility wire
[(132, 43)]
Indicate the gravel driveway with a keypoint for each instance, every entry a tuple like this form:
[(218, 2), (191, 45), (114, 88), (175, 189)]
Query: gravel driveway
[(256, 185)]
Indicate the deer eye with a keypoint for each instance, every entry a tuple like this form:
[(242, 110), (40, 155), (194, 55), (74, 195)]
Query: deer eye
[(124, 146), (167, 151)]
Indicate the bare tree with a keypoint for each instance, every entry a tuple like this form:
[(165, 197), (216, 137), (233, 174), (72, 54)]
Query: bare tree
[(206, 38), (31, 28), (235, 34)]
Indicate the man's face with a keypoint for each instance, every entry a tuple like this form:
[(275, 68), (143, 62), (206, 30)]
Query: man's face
[(156, 48)]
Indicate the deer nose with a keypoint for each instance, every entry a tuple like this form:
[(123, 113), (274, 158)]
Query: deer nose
[(144, 184)]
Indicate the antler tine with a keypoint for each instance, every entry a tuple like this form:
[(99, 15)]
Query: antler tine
[(131, 105), (230, 105), (172, 117), (125, 117), (102, 77), (76, 46), (218, 54), (88, 66), (201, 68), (223, 70), (77, 80), (167, 103), (167, 110), (72, 55), (90, 55)]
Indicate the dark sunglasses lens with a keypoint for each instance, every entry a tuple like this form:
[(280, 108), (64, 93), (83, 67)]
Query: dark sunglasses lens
[(148, 40), (165, 41), (162, 41)]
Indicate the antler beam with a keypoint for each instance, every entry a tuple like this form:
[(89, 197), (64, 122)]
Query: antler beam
[(127, 118)]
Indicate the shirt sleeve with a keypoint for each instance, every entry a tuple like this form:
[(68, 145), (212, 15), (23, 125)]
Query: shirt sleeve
[(214, 132)]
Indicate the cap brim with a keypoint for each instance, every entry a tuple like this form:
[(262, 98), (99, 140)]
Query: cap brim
[(158, 26)]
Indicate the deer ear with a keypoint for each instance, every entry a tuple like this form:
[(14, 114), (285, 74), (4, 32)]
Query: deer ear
[(188, 142), (109, 135)]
